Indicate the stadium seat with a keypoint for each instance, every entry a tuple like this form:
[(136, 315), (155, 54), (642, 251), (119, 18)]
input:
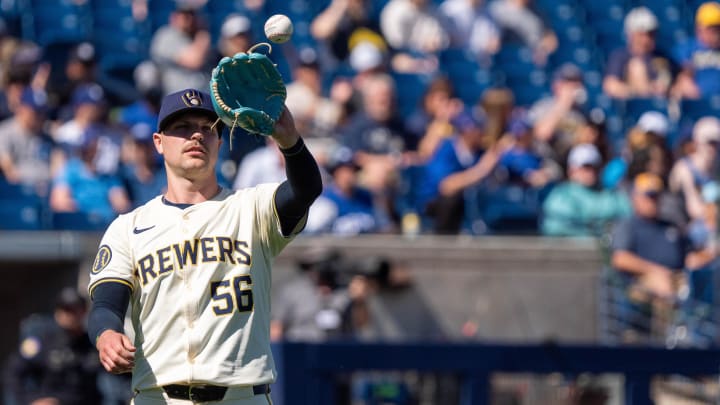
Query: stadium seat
[(58, 22), (504, 208), (692, 110), (410, 90), (21, 214), (77, 221), (633, 108)]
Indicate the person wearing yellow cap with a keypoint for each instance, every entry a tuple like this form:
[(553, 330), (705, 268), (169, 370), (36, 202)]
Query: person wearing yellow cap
[(700, 57), (648, 256)]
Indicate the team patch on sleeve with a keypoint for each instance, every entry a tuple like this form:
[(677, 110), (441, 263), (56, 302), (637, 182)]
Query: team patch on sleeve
[(102, 259)]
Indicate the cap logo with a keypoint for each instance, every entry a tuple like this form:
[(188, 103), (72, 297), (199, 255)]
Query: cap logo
[(192, 98)]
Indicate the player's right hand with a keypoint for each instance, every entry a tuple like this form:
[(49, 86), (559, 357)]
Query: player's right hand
[(117, 353)]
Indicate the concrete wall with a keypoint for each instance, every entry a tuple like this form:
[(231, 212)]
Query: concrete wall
[(516, 289)]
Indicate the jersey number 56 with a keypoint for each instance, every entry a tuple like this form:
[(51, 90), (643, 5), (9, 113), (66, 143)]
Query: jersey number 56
[(231, 294)]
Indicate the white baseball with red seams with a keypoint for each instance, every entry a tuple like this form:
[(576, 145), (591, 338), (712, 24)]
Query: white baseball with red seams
[(278, 28)]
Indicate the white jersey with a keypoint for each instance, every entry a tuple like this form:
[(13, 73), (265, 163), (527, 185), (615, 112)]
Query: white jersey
[(200, 279)]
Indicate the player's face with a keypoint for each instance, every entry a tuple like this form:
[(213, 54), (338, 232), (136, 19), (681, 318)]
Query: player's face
[(189, 146)]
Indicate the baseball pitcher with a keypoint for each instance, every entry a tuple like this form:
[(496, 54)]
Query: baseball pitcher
[(195, 264)]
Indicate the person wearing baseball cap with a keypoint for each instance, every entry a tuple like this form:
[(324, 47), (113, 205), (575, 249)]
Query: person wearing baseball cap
[(235, 35), (639, 69), (54, 362), (700, 57), (577, 206), (459, 162), (648, 253), (242, 232)]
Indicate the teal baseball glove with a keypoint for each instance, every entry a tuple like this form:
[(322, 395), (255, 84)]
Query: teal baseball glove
[(248, 91)]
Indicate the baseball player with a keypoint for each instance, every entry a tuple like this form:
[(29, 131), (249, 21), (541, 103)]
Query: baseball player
[(195, 263)]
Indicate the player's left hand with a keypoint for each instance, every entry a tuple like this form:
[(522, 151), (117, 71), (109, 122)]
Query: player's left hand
[(285, 133)]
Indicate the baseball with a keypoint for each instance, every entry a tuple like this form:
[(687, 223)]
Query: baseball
[(278, 28)]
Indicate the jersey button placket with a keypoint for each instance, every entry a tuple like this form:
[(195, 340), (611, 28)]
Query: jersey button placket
[(184, 226)]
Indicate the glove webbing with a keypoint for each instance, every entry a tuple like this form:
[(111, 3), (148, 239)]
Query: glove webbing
[(221, 102)]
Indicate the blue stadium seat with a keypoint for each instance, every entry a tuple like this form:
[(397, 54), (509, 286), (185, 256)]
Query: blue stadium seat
[(633, 108), (504, 208), (77, 221), (470, 79), (514, 61), (58, 22), (122, 42), (692, 110), (21, 214), (410, 90)]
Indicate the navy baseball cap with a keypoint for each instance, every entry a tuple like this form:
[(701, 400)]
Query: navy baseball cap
[(88, 94), (35, 99), (468, 119), (188, 100)]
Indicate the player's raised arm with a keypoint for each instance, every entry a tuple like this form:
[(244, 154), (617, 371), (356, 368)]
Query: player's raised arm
[(304, 184)]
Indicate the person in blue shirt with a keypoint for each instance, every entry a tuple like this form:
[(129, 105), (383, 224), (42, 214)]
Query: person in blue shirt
[(456, 165), (79, 187), (354, 207), (700, 57)]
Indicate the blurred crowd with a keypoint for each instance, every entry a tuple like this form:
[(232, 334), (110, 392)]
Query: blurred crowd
[(408, 143), (427, 116)]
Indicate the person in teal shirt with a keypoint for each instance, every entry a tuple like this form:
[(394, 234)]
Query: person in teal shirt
[(578, 207)]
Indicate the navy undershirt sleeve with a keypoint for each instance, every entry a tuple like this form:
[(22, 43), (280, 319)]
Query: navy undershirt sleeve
[(110, 301), (303, 185)]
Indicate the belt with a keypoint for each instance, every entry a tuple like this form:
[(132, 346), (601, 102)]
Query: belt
[(206, 393)]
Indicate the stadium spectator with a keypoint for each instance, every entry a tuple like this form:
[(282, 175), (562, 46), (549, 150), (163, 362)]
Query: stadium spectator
[(263, 165), (90, 110), (430, 122), (471, 28), (24, 69), (235, 35), (143, 175), (80, 69), (346, 207), (458, 163), (639, 69), (416, 32), (79, 187), (522, 163), (28, 155), (340, 26), (145, 109), (89, 106), (577, 207), (557, 118), (699, 58), (55, 362), (519, 23), (377, 134), (692, 179), (315, 115), (650, 254), (644, 150), (181, 50)]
